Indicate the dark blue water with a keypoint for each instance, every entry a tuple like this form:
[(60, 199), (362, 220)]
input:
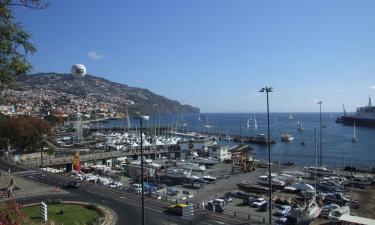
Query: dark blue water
[(338, 149)]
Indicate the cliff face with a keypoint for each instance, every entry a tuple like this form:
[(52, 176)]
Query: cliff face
[(98, 90)]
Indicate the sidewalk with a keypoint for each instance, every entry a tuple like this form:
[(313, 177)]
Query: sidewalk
[(25, 188)]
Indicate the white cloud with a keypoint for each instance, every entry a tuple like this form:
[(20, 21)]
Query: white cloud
[(372, 86), (95, 56), (317, 89)]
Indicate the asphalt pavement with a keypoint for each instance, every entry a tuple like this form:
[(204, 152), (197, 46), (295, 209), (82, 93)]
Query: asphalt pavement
[(126, 205)]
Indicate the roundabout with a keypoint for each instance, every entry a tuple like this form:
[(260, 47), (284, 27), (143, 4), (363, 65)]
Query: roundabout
[(70, 213)]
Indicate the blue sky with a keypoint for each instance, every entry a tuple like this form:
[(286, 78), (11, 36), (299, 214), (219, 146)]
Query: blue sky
[(217, 54)]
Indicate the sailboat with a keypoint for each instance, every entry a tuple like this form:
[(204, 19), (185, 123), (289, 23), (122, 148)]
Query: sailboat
[(248, 123), (290, 116), (310, 211), (207, 125), (354, 140), (255, 124), (300, 126)]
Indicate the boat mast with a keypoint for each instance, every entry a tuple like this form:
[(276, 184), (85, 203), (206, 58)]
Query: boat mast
[(316, 159), (369, 101)]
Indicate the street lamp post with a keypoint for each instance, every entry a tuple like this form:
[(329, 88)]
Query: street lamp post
[(142, 118), (320, 134), (267, 90)]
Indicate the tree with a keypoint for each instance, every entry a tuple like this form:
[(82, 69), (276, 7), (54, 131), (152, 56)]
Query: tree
[(14, 41), (25, 132), (11, 214)]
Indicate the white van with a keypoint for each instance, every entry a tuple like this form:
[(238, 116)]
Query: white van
[(218, 201)]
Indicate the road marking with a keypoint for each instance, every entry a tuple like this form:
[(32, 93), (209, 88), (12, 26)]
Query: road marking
[(219, 222), (122, 197), (155, 210)]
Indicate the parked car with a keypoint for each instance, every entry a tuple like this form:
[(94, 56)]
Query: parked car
[(136, 188), (115, 184), (72, 185), (172, 191), (283, 210), (155, 195), (263, 208), (218, 202), (258, 202)]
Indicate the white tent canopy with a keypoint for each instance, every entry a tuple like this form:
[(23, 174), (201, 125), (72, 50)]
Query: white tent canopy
[(146, 143), (158, 143), (134, 145)]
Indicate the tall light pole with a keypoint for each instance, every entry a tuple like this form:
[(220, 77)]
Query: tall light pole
[(267, 90), (142, 118), (320, 133)]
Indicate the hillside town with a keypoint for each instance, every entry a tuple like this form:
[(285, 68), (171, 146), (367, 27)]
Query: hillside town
[(38, 102)]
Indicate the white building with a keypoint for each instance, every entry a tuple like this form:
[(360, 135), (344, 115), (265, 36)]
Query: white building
[(192, 145), (218, 152)]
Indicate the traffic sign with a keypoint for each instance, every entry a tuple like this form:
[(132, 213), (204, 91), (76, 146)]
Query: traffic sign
[(188, 212), (43, 211)]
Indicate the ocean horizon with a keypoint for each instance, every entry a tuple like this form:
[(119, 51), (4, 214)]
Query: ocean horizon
[(337, 146)]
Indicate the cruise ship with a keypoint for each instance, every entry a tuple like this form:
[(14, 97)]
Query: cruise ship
[(364, 116)]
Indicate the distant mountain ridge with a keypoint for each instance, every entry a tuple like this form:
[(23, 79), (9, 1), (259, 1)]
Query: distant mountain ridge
[(92, 88)]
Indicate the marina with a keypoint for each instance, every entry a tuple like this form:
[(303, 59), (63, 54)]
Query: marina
[(183, 165), (338, 147)]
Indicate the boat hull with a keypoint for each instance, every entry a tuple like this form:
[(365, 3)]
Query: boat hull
[(363, 122)]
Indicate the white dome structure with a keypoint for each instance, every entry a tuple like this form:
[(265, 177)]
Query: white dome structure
[(78, 71)]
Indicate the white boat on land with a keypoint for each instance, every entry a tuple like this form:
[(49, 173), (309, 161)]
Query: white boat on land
[(312, 211), (177, 173), (204, 161), (191, 166), (335, 214), (209, 178), (287, 137), (263, 180), (302, 186)]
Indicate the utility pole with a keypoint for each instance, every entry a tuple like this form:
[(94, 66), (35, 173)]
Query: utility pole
[(267, 90)]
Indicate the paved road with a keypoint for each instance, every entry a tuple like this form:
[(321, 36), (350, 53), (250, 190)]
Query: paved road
[(126, 205)]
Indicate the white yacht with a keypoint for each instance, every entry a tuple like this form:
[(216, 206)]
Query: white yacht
[(176, 173), (209, 178), (191, 166), (263, 180)]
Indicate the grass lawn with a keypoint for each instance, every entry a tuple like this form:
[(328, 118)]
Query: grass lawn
[(73, 214)]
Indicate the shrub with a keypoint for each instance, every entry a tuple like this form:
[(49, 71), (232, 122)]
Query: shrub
[(56, 201), (92, 207)]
